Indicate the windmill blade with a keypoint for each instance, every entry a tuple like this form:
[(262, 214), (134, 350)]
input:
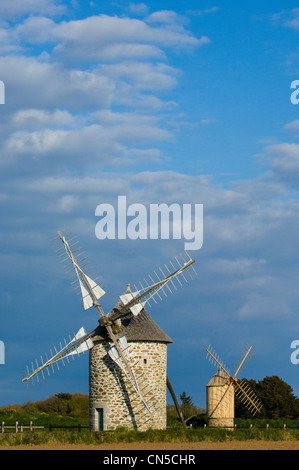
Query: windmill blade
[(120, 356), (215, 359), (244, 357), (91, 292), (87, 285), (247, 396), (118, 359), (80, 343), (82, 347), (113, 353), (135, 301), (87, 299), (128, 298)]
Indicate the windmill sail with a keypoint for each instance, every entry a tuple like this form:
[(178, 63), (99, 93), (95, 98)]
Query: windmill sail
[(245, 355), (87, 285), (116, 357), (80, 343), (98, 291), (215, 359), (91, 292), (248, 397), (130, 298), (135, 301), (113, 353), (82, 347)]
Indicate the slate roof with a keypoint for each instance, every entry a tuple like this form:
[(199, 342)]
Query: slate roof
[(137, 328)]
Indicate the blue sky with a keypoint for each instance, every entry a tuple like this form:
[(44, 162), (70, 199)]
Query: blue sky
[(163, 102)]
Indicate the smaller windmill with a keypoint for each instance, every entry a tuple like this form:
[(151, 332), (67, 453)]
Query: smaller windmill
[(222, 389)]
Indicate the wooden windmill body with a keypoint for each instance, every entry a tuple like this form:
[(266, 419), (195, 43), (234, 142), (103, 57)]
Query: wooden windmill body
[(222, 390), (220, 399), (127, 350)]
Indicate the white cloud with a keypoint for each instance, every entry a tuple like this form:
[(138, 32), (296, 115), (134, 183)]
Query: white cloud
[(283, 159), (65, 205), (290, 18), (114, 142), (7, 46), (271, 307), (125, 62), (51, 120), (143, 76), (35, 84), (35, 30), (206, 11), (284, 156), (120, 50), (39, 118), (292, 126), (168, 17), (138, 8), (105, 183), (103, 37), (242, 254), (100, 30), (12, 9), (248, 276), (63, 130), (237, 266)]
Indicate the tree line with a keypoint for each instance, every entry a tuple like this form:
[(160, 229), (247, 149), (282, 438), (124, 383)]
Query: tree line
[(276, 396)]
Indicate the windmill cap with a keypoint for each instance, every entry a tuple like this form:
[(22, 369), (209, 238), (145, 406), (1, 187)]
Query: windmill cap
[(137, 328), (218, 380)]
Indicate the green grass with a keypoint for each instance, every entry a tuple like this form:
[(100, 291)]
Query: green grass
[(41, 419), (70, 411), (122, 435)]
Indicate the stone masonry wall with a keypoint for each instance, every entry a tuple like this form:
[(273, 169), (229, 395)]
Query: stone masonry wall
[(111, 391)]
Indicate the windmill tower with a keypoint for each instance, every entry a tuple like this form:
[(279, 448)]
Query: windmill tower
[(222, 389), (113, 400), (220, 400), (127, 350)]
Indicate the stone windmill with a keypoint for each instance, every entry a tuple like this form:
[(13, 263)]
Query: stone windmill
[(222, 389), (127, 350)]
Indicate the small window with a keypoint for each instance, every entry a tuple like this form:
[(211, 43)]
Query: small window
[(144, 361)]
